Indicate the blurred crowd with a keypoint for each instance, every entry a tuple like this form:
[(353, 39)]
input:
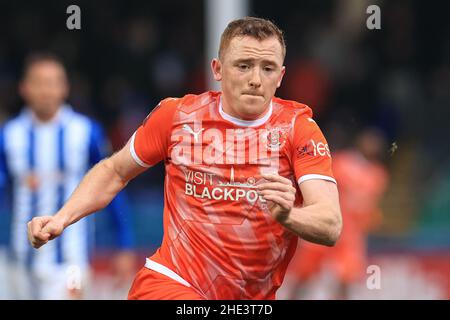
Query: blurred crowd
[(128, 55)]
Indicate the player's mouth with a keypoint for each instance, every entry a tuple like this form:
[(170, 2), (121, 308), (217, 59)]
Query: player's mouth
[(253, 95)]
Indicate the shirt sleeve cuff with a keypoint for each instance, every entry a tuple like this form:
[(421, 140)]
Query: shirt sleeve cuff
[(315, 176), (134, 154)]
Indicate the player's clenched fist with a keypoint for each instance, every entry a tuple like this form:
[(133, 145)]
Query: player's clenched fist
[(43, 229), (279, 193)]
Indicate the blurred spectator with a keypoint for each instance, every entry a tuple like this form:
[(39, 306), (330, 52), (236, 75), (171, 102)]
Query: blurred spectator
[(44, 152)]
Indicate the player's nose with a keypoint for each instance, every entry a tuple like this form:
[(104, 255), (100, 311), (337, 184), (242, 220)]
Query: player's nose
[(255, 80)]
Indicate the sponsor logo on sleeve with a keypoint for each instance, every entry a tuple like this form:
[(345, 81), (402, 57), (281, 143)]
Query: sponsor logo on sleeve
[(314, 149)]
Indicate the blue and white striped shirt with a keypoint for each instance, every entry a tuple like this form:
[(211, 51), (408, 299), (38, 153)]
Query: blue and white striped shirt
[(45, 162)]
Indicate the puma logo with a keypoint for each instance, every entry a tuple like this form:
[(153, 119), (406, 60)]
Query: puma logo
[(191, 131)]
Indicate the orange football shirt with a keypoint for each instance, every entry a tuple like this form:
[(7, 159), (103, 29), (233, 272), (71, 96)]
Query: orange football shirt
[(219, 237)]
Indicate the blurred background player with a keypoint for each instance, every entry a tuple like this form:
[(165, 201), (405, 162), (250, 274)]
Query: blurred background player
[(44, 152), (362, 180)]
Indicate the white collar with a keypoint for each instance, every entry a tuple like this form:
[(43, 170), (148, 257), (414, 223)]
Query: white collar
[(245, 123)]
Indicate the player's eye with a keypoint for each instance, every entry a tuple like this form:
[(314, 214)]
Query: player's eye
[(268, 69), (243, 66)]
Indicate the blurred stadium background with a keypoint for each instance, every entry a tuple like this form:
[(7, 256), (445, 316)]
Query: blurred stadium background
[(130, 54)]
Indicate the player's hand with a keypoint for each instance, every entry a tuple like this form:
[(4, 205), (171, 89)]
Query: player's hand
[(279, 194), (43, 229)]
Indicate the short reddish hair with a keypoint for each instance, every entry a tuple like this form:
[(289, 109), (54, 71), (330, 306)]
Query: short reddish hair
[(257, 28)]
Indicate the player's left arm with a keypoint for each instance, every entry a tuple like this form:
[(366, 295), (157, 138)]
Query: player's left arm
[(318, 220)]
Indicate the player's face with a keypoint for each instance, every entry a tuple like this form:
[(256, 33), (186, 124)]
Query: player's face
[(44, 88), (250, 71)]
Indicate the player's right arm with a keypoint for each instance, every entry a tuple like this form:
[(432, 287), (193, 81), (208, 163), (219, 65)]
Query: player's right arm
[(97, 189), (106, 179)]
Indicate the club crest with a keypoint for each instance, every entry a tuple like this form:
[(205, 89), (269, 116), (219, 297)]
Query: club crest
[(276, 139)]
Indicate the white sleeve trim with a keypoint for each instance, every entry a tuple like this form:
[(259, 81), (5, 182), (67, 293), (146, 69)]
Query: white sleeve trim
[(134, 155), (315, 176), (150, 264)]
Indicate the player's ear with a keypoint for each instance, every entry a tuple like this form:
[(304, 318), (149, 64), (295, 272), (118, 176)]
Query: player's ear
[(216, 67), (283, 71)]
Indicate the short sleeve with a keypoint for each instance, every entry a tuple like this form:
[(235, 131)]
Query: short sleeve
[(312, 157), (149, 144)]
